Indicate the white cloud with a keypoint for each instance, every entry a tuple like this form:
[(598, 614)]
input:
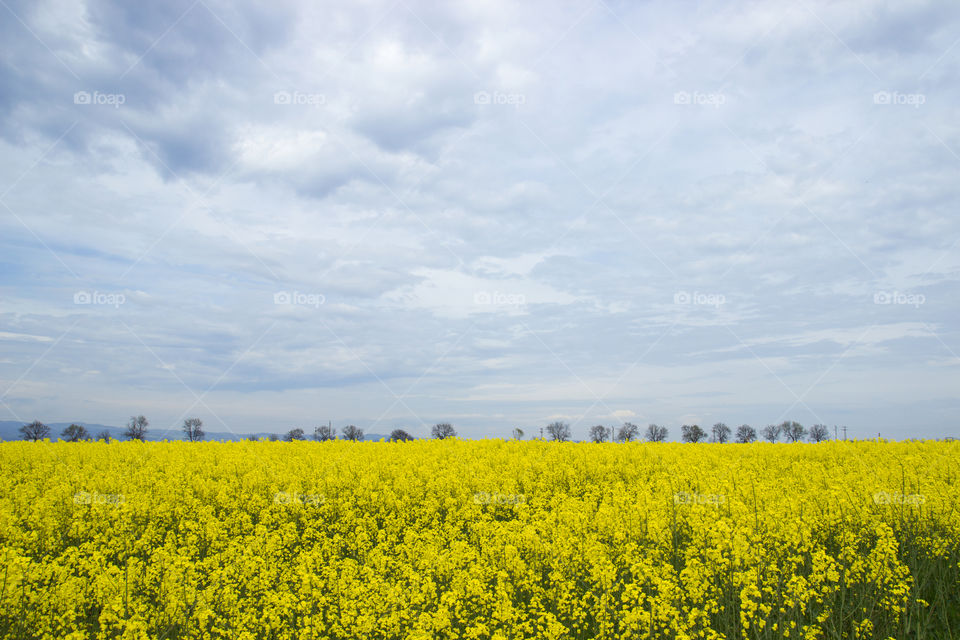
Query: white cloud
[(502, 261)]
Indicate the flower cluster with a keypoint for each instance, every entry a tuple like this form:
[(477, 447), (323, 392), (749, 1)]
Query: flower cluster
[(477, 539)]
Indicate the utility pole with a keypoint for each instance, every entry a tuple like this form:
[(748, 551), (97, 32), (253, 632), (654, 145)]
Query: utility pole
[(844, 432), (541, 433)]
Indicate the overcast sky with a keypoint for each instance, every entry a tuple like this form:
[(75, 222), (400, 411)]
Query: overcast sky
[(271, 215)]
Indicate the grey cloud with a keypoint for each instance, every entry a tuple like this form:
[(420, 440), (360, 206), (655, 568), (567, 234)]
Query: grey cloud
[(616, 213)]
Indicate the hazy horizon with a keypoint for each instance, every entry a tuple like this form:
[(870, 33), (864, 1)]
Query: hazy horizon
[(497, 215)]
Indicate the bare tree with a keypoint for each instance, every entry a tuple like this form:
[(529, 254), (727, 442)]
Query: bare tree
[(721, 432), (36, 430), (518, 434), (325, 432), (793, 431), (771, 432), (399, 435), (656, 433), (136, 428), (273, 437), (692, 433), (294, 434), (746, 433), (350, 432), (559, 431), (819, 433), (598, 433), (193, 429), (75, 433), (443, 430), (628, 432), (104, 435)]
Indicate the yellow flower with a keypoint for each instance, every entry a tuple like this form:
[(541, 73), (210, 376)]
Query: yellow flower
[(470, 539)]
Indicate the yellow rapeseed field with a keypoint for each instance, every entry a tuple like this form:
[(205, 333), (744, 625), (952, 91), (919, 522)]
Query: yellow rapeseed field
[(479, 539)]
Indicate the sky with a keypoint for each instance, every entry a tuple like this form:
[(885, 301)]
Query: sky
[(495, 214)]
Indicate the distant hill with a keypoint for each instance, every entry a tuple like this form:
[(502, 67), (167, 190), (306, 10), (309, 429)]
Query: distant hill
[(10, 430)]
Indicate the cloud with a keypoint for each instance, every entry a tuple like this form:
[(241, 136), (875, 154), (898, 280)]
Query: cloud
[(510, 214)]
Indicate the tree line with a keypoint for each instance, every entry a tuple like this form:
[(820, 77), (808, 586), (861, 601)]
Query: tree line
[(789, 431), (192, 428), (136, 429)]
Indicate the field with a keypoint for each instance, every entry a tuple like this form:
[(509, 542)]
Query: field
[(479, 539)]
